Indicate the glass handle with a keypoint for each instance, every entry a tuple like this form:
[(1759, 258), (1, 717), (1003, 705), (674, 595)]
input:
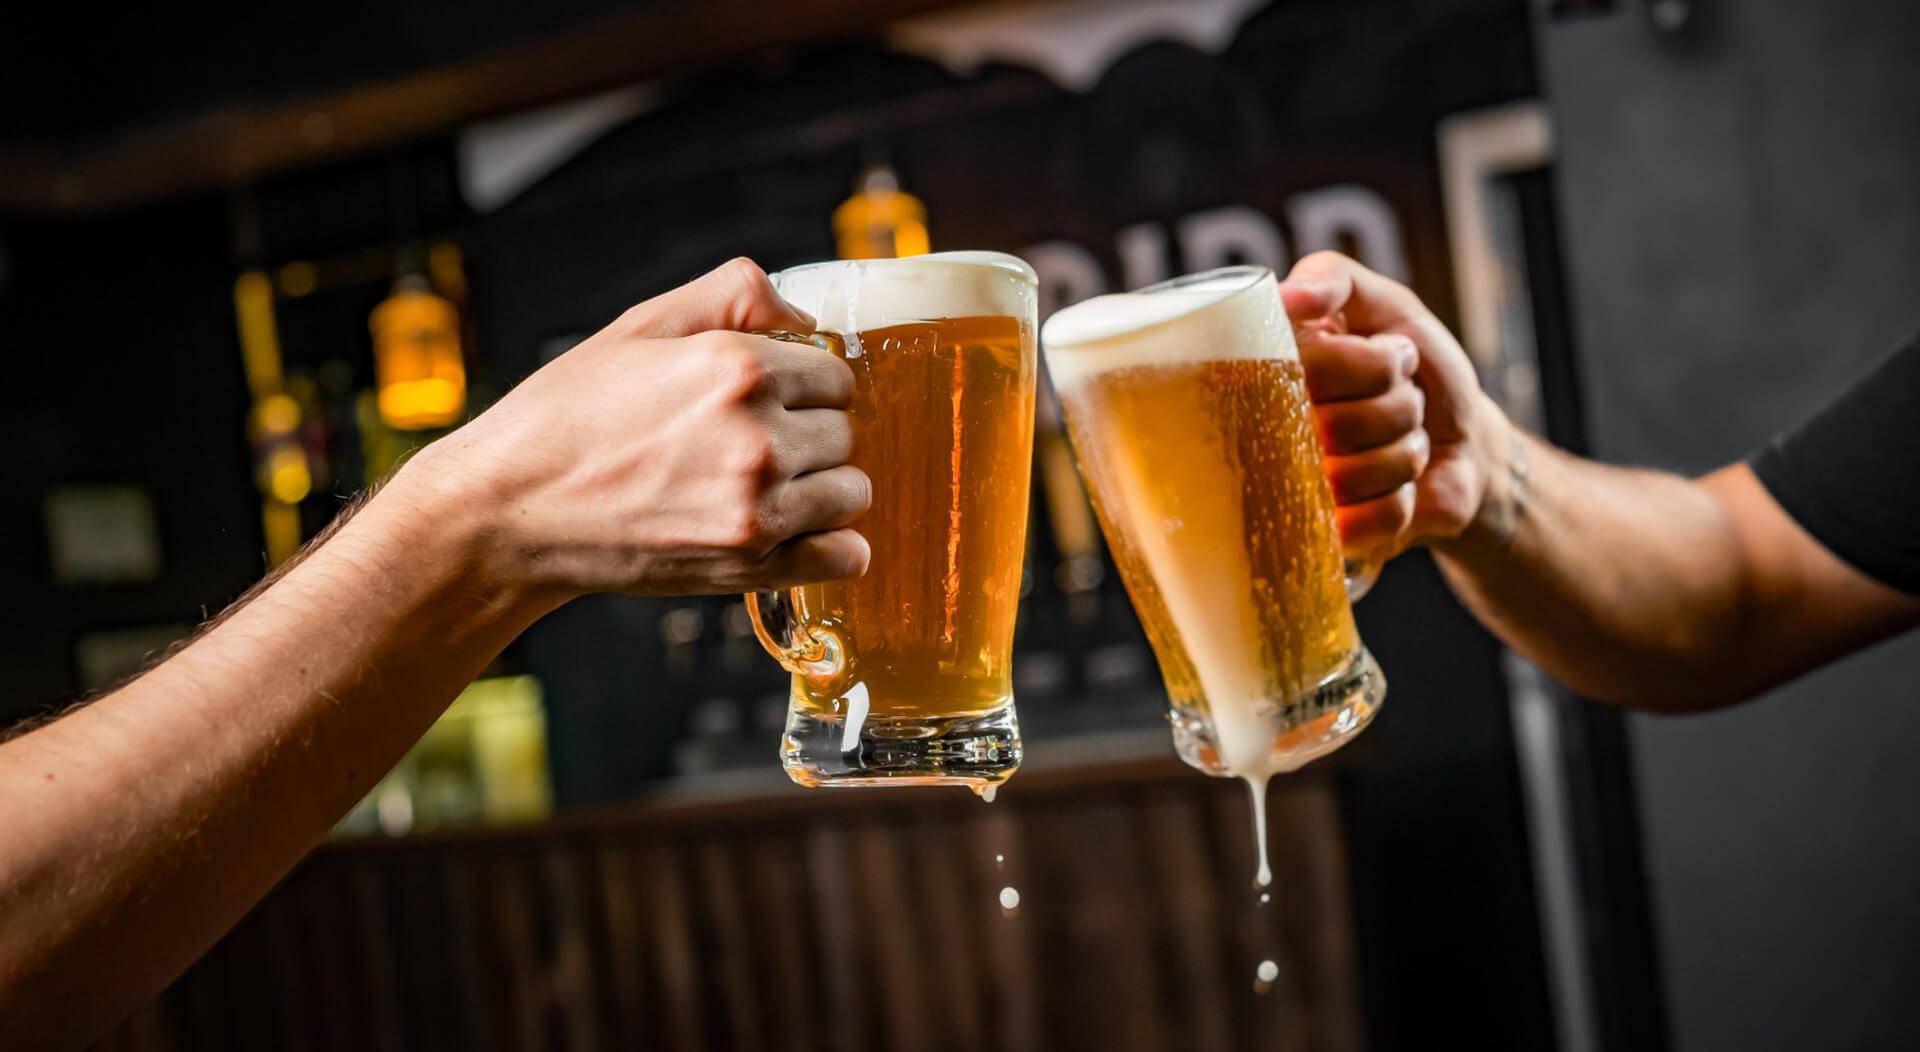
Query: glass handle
[(779, 619), (826, 341), (1361, 573)]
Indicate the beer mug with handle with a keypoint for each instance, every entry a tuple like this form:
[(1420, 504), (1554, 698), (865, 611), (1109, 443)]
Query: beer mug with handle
[(904, 676), (1188, 415)]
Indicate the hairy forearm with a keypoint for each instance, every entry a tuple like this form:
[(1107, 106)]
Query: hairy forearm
[(1627, 585), (142, 826)]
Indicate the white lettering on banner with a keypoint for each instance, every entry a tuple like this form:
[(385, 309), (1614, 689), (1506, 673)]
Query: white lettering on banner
[(1319, 217), (1068, 274), (1235, 234), (1217, 237), (1143, 254)]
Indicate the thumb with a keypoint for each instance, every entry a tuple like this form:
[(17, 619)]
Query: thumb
[(1328, 283), (735, 295)]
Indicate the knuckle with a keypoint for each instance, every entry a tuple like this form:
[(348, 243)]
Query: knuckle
[(750, 526), (1418, 400), (712, 346), (767, 524), (1420, 450), (1399, 513), (1381, 366), (740, 273), (1397, 470), (753, 454), (637, 320), (741, 371)]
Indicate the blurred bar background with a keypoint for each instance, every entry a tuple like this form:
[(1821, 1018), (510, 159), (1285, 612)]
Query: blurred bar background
[(248, 262)]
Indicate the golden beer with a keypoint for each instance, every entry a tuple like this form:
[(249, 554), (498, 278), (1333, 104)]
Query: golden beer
[(905, 675), (1188, 414)]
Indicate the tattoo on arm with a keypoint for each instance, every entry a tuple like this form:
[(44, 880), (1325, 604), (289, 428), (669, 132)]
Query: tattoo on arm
[(1519, 489)]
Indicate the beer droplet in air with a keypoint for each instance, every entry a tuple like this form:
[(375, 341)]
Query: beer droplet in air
[(999, 860), (1263, 976), (1009, 899)]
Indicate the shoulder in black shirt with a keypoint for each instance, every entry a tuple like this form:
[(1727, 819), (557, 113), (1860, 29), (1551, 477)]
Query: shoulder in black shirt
[(1850, 476)]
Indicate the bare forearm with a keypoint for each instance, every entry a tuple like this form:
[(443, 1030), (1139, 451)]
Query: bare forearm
[(1633, 586), (142, 826), (670, 453), (1625, 584)]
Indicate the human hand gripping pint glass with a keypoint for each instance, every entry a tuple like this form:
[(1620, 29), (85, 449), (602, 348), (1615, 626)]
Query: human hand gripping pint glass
[(904, 676), (1188, 414)]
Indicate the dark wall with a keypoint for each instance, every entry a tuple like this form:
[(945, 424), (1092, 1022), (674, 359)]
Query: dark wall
[(1742, 218), (123, 369)]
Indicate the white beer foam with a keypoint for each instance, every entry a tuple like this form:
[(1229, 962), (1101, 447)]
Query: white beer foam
[(850, 295), (1219, 319)]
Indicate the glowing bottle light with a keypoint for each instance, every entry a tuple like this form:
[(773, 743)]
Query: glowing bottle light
[(285, 474), (880, 220), (416, 356), (280, 463)]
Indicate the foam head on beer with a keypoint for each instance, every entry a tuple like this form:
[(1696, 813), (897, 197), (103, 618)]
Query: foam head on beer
[(1131, 328), (878, 293)]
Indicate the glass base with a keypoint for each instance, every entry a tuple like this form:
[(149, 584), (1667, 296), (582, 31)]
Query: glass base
[(978, 752), (1304, 729)]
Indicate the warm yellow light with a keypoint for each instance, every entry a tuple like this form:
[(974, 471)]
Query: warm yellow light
[(259, 336), (289, 480), (297, 279), (910, 239), (445, 263), (277, 414), (281, 526), (416, 357), (880, 220), (420, 403)]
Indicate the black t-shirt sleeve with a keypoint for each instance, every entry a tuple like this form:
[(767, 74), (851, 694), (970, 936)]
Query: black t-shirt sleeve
[(1850, 476)]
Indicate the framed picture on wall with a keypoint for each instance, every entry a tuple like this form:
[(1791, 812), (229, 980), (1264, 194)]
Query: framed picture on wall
[(101, 534)]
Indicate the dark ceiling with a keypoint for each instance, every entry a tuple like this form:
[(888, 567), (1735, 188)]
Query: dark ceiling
[(74, 73), (101, 108)]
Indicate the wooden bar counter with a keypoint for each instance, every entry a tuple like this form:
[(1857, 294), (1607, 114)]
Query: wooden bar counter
[(744, 913)]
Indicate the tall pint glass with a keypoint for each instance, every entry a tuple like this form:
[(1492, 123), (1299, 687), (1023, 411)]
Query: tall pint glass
[(904, 676), (1189, 419)]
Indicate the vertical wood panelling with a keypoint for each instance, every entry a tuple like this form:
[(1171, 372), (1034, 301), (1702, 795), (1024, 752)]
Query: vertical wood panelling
[(815, 923)]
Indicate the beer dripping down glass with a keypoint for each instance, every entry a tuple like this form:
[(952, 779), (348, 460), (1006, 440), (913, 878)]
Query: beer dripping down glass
[(904, 676), (1188, 415)]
